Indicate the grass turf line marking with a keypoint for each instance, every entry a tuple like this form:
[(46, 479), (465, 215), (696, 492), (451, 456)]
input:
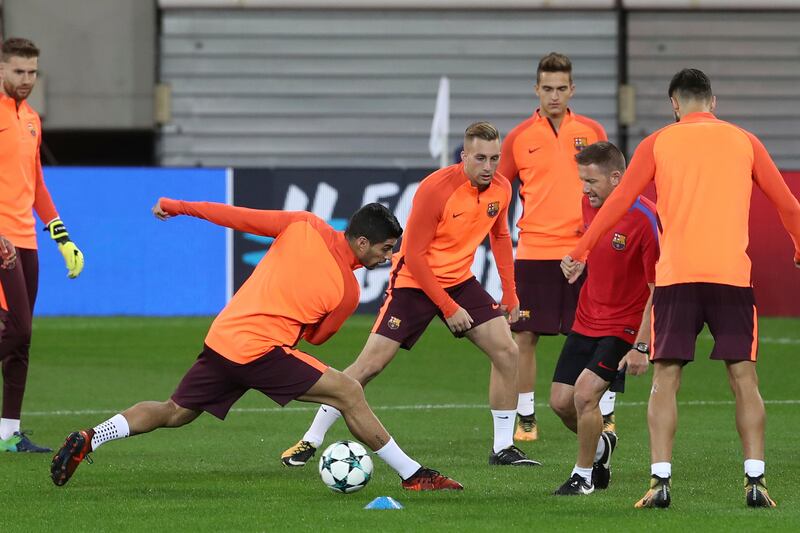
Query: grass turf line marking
[(417, 407)]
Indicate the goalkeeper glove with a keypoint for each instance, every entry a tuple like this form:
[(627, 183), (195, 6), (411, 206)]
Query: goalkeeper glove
[(73, 257)]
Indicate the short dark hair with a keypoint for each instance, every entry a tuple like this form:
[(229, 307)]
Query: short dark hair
[(554, 62), (481, 130), (374, 222), (603, 154), (19, 47), (690, 84)]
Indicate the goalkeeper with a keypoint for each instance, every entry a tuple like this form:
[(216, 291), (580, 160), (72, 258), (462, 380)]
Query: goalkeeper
[(22, 190)]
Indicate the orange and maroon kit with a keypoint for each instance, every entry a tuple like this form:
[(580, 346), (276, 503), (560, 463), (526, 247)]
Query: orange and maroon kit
[(22, 190), (431, 274), (551, 223), (704, 169), (303, 287)]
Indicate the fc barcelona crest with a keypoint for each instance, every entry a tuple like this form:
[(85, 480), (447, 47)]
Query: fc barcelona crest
[(393, 323), (493, 209), (581, 143), (619, 241)]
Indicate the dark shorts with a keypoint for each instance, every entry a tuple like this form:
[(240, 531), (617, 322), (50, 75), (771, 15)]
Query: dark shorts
[(406, 312), (679, 312), (214, 383), (547, 300), (601, 355)]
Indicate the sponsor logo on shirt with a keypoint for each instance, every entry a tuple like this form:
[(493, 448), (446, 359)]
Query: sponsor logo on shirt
[(619, 241), (581, 143), (493, 209), (393, 322)]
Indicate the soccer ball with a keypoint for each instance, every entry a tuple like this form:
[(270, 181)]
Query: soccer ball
[(345, 466)]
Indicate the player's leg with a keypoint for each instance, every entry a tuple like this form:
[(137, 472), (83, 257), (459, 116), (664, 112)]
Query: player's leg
[(677, 317), (494, 339), (607, 403), (527, 429), (600, 357), (346, 394), (376, 354), (733, 322), (403, 317), (576, 355), (20, 286), (205, 387)]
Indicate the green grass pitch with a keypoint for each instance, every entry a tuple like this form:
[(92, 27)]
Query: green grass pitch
[(226, 476)]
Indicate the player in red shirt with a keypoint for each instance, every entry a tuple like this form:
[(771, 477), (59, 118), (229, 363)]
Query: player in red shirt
[(612, 322)]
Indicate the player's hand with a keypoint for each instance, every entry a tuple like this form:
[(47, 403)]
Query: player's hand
[(636, 361), (8, 254), (73, 257), (571, 269), (159, 213), (460, 321), (512, 315)]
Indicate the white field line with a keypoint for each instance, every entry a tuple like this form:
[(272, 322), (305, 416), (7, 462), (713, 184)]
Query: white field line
[(415, 407)]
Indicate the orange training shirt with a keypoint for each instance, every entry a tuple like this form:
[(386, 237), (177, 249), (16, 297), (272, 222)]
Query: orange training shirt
[(551, 191), (448, 221), (704, 170), (22, 187), (303, 286)]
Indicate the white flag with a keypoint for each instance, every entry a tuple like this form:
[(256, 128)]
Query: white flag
[(440, 127)]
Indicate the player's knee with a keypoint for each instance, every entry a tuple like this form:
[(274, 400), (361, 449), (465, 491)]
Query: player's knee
[(506, 354), (16, 342), (562, 406), (177, 416), (584, 399), (364, 371), (349, 392)]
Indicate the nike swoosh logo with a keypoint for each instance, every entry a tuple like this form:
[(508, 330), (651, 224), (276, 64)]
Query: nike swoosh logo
[(3, 129), (495, 306), (456, 215), (531, 151), (503, 417), (601, 365)]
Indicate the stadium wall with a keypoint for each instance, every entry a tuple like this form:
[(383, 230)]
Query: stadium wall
[(136, 265)]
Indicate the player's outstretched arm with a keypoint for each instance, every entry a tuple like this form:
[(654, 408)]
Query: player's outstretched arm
[(267, 223)]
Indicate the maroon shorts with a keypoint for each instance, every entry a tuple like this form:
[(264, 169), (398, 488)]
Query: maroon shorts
[(679, 312), (547, 301), (214, 383), (406, 312)]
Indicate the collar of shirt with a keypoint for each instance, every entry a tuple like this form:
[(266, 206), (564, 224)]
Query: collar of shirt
[(567, 117), (342, 251), (698, 116)]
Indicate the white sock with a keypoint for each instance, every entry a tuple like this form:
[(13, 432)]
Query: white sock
[(503, 429), (114, 428), (8, 426), (525, 405), (754, 467), (662, 470), (607, 403), (401, 463), (585, 473), (325, 418), (601, 448)]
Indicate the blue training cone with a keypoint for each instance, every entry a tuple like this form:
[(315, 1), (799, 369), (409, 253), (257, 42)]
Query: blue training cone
[(384, 502)]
